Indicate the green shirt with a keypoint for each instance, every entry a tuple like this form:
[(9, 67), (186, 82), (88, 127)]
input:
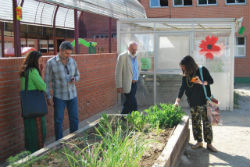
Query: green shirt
[(35, 81)]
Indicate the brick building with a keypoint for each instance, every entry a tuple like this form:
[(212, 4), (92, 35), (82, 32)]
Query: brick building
[(210, 9)]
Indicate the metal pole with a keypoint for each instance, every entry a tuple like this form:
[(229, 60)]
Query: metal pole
[(26, 36), (2, 38), (110, 35), (54, 30), (76, 32), (26, 39), (16, 29)]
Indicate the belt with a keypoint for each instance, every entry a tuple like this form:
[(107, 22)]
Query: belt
[(134, 81)]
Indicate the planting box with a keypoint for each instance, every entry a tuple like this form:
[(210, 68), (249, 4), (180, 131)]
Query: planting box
[(168, 157), (171, 153)]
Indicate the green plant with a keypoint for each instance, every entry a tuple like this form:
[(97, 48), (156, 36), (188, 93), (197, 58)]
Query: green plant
[(236, 99), (114, 142), (114, 148), (13, 159), (137, 119), (88, 156), (166, 114), (104, 123), (158, 130)]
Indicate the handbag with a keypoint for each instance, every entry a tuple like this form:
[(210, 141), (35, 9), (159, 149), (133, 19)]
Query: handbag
[(33, 102), (213, 113)]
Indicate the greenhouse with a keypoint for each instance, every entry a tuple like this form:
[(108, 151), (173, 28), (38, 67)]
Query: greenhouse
[(164, 42)]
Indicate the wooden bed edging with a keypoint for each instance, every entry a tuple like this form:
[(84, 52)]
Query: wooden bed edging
[(171, 153)]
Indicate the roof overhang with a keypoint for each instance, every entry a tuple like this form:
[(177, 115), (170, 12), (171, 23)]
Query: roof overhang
[(165, 24), (112, 8), (42, 12)]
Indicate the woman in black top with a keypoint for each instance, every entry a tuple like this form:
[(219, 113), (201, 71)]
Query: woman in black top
[(192, 86)]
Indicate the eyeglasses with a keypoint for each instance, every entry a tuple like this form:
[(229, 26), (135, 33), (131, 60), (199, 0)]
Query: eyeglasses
[(67, 70)]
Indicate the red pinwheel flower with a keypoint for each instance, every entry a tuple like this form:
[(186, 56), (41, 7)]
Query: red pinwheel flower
[(209, 47)]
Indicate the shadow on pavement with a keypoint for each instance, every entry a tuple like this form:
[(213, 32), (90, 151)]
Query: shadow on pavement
[(231, 160)]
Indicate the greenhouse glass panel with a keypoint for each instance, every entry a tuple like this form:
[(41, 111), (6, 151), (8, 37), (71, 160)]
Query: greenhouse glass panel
[(172, 48), (219, 66), (139, 27), (167, 87), (145, 91)]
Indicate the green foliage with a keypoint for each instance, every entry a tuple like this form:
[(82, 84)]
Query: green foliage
[(115, 148), (157, 116), (115, 142), (164, 116), (13, 159), (137, 119), (104, 124), (236, 100)]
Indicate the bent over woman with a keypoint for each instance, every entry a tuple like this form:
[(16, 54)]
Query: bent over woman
[(192, 87)]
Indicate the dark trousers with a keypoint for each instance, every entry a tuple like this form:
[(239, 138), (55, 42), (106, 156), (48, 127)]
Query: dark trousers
[(130, 103), (59, 106)]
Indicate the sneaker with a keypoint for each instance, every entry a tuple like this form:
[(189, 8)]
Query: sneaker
[(197, 145), (211, 148)]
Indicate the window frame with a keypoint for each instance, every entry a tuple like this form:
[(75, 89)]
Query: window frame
[(240, 46), (206, 4), (235, 3), (150, 6), (182, 4)]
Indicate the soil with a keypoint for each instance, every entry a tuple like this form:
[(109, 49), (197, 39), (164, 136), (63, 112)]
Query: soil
[(155, 143), (156, 147)]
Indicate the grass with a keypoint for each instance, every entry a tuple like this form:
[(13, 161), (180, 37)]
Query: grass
[(13, 159), (114, 149)]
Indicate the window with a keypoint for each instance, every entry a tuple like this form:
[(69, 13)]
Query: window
[(114, 35), (240, 47), (236, 2), (100, 36), (182, 2), (158, 3), (207, 2)]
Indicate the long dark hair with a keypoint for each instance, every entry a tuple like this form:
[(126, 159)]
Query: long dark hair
[(190, 66), (31, 61)]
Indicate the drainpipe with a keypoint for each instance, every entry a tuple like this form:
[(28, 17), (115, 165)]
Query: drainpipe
[(16, 29), (76, 32), (2, 37), (54, 30), (110, 35)]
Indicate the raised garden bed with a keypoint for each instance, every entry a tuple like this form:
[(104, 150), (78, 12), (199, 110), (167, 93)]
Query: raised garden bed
[(135, 140)]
